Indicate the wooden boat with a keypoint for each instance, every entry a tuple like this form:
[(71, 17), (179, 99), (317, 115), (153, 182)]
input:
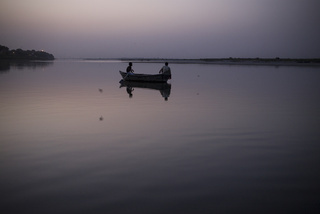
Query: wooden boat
[(144, 77)]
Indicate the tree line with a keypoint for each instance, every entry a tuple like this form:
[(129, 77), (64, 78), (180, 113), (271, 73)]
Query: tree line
[(20, 54)]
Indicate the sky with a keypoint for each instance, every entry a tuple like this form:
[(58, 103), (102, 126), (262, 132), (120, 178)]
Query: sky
[(163, 28)]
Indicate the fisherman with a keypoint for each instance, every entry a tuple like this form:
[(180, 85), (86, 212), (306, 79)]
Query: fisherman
[(165, 70), (129, 68)]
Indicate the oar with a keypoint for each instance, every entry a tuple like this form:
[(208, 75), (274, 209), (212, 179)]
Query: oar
[(124, 78), (128, 74)]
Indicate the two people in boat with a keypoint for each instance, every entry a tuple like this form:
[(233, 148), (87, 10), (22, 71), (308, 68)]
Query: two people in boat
[(165, 70)]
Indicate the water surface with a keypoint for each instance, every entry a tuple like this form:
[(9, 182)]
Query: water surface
[(227, 139)]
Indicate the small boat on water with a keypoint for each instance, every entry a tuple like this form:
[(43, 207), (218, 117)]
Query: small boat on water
[(144, 77)]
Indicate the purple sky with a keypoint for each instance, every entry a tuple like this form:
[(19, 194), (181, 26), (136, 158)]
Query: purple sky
[(164, 28)]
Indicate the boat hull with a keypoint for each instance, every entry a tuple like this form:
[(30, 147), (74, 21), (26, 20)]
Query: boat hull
[(144, 77)]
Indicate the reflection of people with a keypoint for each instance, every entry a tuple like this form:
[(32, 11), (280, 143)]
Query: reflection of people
[(166, 70), (129, 68), (165, 93), (129, 91)]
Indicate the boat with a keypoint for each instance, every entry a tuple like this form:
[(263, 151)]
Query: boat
[(144, 77)]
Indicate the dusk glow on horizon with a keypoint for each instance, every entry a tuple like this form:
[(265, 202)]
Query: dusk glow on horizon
[(164, 29)]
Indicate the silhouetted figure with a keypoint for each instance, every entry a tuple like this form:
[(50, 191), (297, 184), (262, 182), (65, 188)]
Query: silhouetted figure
[(166, 70), (129, 68), (129, 91)]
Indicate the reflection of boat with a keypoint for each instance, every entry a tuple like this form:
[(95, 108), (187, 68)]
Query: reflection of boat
[(144, 77), (164, 88)]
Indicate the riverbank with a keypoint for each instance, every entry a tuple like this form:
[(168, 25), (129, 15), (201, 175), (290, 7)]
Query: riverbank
[(223, 61), (233, 61), (19, 54)]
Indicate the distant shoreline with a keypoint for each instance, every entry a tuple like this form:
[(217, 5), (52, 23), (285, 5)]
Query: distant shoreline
[(225, 61), (19, 54)]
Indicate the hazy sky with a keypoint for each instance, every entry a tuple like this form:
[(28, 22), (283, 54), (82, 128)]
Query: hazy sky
[(163, 28)]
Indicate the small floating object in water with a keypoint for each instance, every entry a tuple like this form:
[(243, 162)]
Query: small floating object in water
[(100, 90), (101, 118)]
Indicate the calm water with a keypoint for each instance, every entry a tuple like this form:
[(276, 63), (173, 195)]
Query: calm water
[(229, 139)]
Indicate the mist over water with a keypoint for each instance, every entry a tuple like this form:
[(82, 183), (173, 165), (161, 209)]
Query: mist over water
[(228, 138)]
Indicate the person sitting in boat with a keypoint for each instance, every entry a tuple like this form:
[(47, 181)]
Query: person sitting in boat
[(166, 70), (130, 71)]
